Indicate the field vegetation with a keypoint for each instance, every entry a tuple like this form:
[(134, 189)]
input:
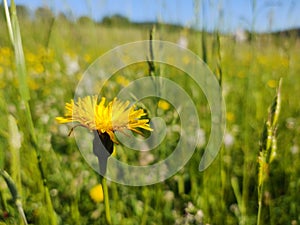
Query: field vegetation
[(45, 176)]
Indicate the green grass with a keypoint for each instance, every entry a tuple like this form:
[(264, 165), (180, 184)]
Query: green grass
[(225, 193)]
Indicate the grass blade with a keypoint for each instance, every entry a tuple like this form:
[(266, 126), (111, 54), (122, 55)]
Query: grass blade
[(14, 193)]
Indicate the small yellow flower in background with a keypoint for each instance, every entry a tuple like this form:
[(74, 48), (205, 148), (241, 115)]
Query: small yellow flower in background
[(230, 116), (45, 55), (116, 116), (5, 51), (5, 56), (122, 81), (186, 60), (164, 105), (33, 85), (96, 193), (87, 58), (272, 83), (39, 68), (31, 58), (285, 62)]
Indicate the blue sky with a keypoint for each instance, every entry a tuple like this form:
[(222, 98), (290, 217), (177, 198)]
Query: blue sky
[(268, 14)]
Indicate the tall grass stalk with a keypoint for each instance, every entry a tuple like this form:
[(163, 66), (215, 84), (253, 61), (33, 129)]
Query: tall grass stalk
[(15, 194), (152, 72), (198, 7), (268, 148), (14, 149), (236, 189), (254, 14), (16, 41), (249, 83), (204, 46), (219, 71), (152, 69)]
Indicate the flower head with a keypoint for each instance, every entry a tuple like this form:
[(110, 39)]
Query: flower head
[(116, 116), (164, 105), (96, 193)]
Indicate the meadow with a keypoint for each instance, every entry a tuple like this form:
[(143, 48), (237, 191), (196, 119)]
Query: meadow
[(45, 176)]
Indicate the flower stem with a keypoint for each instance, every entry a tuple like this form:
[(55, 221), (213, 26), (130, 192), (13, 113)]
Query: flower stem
[(106, 201), (260, 195)]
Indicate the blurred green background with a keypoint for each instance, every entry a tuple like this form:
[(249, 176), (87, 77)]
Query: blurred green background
[(58, 49)]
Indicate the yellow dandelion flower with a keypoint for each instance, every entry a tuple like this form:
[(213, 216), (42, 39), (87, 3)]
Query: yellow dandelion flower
[(87, 58), (116, 116), (164, 105), (272, 83), (186, 60), (31, 58), (6, 52), (230, 116), (122, 80), (96, 193), (38, 68), (33, 85)]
